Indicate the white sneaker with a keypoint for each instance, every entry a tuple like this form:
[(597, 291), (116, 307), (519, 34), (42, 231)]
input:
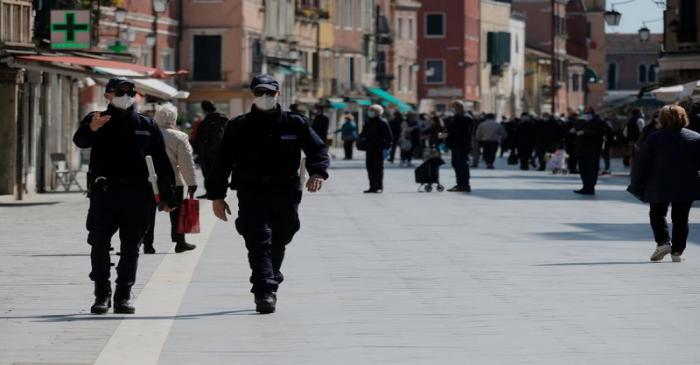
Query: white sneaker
[(676, 258), (661, 252)]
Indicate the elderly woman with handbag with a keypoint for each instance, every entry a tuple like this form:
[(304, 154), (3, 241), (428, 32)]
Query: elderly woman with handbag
[(665, 173), (179, 152)]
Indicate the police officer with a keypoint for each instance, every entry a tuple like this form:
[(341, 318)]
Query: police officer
[(261, 152), (120, 194)]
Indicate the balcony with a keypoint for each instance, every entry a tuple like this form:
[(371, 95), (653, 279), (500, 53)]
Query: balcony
[(311, 13)]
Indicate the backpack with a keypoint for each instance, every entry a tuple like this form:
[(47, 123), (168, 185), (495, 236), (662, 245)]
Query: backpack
[(211, 142), (633, 131)]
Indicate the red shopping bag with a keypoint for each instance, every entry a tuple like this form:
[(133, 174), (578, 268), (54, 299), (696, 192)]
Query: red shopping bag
[(188, 221)]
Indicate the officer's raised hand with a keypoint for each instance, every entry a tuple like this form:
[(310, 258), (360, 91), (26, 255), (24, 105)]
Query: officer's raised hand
[(221, 209), (314, 184), (98, 121)]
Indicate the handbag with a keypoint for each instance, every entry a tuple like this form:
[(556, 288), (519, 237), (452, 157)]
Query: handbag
[(362, 143), (188, 220)]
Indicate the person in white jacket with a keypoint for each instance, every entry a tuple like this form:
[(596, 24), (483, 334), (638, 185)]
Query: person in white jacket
[(179, 152)]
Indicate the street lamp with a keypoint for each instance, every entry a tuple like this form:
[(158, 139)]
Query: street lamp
[(327, 53), (120, 15), (644, 33), (294, 54), (373, 64), (130, 35), (159, 5), (612, 17), (151, 40), (415, 67)]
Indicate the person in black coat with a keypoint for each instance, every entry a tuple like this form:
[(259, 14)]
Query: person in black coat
[(395, 125), (547, 139), (374, 139), (525, 136), (459, 129), (589, 145), (665, 174), (320, 124), (570, 143)]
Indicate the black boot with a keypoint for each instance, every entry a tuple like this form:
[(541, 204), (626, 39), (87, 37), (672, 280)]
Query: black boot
[(122, 301), (183, 246), (148, 248), (265, 303), (103, 298)]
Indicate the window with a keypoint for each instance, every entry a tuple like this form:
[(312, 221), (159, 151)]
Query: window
[(399, 77), (256, 55), (337, 15), (575, 86), (16, 23), (642, 74), (350, 72), (410, 29), (206, 63), (315, 66), (687, 29), (145, 59), (434, 25), (612, 76), (348, 14), (435, 71), (399, 28), (653, 73)]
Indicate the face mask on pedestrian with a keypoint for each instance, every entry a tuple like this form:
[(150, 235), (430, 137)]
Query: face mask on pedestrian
[(265, 102), (123, 98), (371, 114)]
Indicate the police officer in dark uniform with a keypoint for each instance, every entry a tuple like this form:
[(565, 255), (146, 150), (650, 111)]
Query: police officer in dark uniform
[(261, 153), (119, 190)]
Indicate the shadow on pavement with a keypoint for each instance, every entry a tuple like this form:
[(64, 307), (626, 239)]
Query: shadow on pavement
[(549, 194), (612, 232), (120, 317), (605, 263), (27, 204)]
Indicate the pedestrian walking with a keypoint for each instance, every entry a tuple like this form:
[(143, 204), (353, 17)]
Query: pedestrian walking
[(665, 174), (261, 154), (548, 136), (608, 141), (395, 125), (633, 130), (406, 144), (321, 124), (525, 140), (459, 140), (208, 139), (570, 142), (179, 153), (120, 195), (375, 138), (490, 133), (476, 147), (348, 133), (589, 143)]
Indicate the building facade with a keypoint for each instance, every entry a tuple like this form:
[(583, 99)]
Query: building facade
[(448, 53), (502, 58), (680, 62), (632, 64)]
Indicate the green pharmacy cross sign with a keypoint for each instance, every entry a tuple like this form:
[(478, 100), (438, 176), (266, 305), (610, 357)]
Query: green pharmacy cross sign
[(70, 29)]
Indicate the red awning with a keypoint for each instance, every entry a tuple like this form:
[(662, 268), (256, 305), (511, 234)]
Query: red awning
[(95, 62)]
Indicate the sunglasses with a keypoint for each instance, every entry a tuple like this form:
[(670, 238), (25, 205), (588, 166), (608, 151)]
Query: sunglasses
[(122, 92), (260, 92)]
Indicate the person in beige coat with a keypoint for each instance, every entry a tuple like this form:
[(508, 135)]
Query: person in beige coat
[(179, 152)]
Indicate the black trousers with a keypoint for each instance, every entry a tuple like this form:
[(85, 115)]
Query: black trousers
[(541, 153), (679, 216), (112, 209), (490, 150), (525, 155), (392, 151), (460, 163), (572, 162), (174, 220), (375, 168), (348, 147), (606, 159), (588, 166), (267, 220)]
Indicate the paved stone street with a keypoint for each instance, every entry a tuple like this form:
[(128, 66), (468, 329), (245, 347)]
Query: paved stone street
[(521, 271)]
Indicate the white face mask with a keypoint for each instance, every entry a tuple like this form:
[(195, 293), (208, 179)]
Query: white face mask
[(123, 102), (265, 102), (371, 114)]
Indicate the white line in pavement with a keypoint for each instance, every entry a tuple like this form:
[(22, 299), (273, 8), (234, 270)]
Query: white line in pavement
[(141, 340)]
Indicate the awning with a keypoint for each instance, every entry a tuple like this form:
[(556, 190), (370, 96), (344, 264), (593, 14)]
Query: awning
[(674, 93), (403, 107), (591, 76), (363, 102), (291, 69), (153, 87), (145, 71), (337, 103)]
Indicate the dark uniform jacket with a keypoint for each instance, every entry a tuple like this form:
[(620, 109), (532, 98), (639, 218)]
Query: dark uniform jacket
[(666, 168), (460, 129), (525, 135), (209, 135), (589, 136), (376, 134), (119, 149), (262, 151)]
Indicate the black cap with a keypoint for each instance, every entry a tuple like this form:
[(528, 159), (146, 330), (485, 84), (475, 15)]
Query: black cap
[(264, 82), (115, 82)]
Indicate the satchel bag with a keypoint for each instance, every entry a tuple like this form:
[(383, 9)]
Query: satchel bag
[(188, 221)]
